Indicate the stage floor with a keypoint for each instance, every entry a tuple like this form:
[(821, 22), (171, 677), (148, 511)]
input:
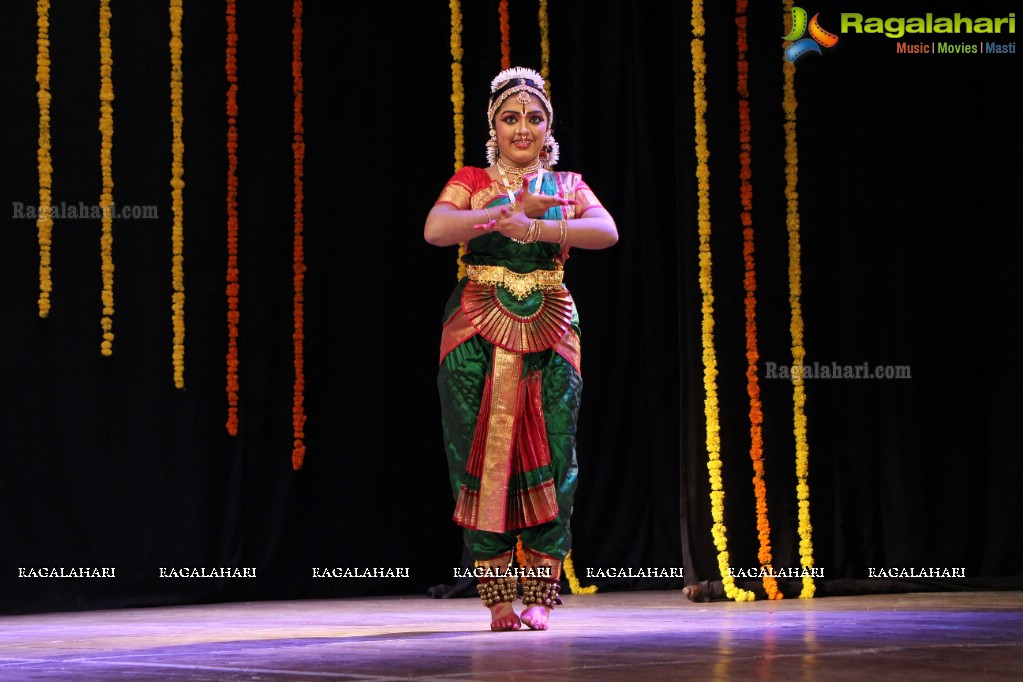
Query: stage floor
[(618, 636)]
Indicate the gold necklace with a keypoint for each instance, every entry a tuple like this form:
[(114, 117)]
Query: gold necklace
[(519, 175)]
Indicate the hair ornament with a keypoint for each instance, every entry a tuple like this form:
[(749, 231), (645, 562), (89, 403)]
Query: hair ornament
[(501, 79)]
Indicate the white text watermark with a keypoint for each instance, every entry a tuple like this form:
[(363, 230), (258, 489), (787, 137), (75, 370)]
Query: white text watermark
[(916, 572), (360, 572), (636, 572), (495, 572), (207, 572), (65, 572), (771, 572)]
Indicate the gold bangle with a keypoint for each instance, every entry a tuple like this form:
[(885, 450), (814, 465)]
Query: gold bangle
[(532, 233), (525, 237), (489, 219), (563, 235)]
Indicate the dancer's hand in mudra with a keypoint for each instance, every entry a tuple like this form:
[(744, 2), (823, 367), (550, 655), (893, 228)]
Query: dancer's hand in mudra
[(536, 205)]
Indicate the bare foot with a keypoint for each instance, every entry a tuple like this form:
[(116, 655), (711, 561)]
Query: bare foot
[(503, 617), (536, 616)]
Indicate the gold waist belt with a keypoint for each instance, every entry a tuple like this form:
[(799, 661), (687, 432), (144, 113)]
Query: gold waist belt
[(519, 284)]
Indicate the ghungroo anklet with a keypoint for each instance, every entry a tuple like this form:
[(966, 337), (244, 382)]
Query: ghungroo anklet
[(540, 591), (494, 591)]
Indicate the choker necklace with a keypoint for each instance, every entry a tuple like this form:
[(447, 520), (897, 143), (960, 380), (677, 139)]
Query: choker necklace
[(518, 173)]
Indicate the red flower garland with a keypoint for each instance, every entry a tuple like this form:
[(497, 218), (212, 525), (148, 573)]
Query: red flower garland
[(750, 283), (545, 46), (298, 148), (502, 9), (231, 68)]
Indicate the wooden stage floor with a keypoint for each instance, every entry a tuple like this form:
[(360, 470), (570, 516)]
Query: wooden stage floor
[(619, 636)]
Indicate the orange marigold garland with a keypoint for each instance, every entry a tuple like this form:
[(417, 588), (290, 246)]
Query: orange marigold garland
[(717, 492), (231, 67), (502, 9), (298, 148), (796, 325), (458, 103), (106, 128), (750, 284), (44, 221), (177, 191)]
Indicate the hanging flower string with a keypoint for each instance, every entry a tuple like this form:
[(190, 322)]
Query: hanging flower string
[(717, 492), (750, 284), (458, 103), (573, 581), (457, 91), (545, 46), (796, 325), (502, 9), (177, 190), (44, 221), (298, 148), (106, 127), (231, 67)]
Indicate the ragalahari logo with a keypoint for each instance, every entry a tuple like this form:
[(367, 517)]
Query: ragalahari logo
[(801, 46)]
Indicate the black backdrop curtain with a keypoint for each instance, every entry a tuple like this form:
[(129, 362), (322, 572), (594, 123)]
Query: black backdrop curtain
[(909, 171)]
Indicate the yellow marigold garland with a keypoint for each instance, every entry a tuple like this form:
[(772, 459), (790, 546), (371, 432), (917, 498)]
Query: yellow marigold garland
[(545, 46), (298, 254), (177, 200), (750, 285), (796, 325), (717, 493), (44, 222), (457, 91), (458, 103), (231, 69), (106, 127), (573, 581)]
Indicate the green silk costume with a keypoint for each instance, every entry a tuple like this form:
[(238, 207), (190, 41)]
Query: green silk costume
[(510, 398)]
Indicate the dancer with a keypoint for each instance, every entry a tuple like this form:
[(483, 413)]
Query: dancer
[(509, 376)]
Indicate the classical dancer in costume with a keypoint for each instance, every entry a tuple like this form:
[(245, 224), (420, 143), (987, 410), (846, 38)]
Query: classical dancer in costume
[(509, 376)]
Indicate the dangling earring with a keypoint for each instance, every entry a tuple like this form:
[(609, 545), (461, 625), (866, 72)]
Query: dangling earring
[(550, 152), (492, 151)]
